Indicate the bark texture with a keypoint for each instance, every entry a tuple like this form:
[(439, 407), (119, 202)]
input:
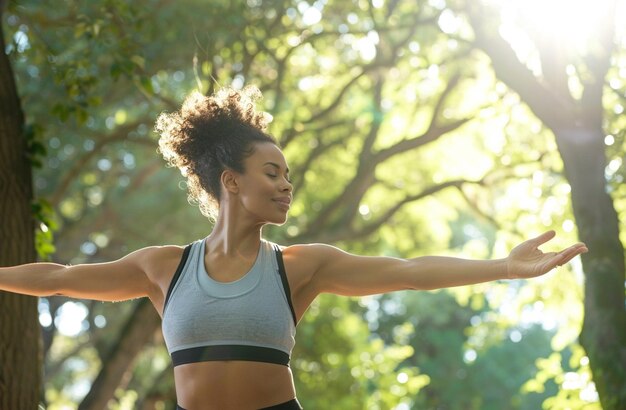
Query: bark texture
[(20, 358)]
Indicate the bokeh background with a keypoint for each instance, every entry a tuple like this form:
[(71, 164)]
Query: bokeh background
[(412, 127)]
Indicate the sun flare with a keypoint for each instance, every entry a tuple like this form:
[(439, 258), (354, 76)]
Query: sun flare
[(571, 23)]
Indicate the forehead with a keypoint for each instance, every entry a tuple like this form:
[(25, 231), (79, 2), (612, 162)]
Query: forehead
[(267, 152)]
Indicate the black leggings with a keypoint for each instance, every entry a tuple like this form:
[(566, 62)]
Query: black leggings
[(288, 405)]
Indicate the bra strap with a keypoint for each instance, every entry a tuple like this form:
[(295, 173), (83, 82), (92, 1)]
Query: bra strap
[(283, 278), (179, 270)]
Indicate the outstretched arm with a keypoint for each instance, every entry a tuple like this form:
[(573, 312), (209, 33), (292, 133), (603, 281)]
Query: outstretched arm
[(123, 279), (342, 273)]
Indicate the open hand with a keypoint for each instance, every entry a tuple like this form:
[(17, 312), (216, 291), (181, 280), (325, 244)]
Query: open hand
[(527, 261)]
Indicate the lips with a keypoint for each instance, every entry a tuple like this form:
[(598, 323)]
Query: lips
[(284, 202)]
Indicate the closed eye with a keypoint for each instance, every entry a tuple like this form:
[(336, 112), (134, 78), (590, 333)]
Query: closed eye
[(276, 176)]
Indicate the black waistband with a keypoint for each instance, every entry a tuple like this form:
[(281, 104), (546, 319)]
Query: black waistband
[(230, 352), (289, 405)]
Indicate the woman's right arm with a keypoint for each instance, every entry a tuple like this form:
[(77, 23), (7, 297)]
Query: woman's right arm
[(123, 279)]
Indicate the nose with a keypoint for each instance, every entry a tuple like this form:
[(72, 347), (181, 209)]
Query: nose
[(286, 186)]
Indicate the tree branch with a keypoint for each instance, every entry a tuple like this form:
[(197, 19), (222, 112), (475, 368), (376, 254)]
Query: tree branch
[(138, 330), (365, 172), (598, 63), (356, 189), (120, 135), (547, 106), (340, 233), (316, 116), (429, 136), (313, 155), (451, 84), (373, 226), (51, 369)]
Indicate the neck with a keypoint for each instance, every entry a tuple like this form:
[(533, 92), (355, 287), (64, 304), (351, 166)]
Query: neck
[(234, 235)]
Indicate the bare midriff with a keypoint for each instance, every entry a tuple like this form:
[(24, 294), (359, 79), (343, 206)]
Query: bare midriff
[(233, 385)]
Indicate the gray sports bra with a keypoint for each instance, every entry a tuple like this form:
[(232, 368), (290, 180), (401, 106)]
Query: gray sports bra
[(249, 319)]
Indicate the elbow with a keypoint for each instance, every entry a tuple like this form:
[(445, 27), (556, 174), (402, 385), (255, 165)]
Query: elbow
[(417, 275), (420, 286), (51, 284)]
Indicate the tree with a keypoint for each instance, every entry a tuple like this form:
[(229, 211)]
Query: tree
[(392, 126), (577, 118), (20, 367)]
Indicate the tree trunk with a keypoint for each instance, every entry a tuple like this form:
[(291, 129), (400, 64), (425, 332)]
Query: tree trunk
[(577, 126), (604, 328), (20, 358)]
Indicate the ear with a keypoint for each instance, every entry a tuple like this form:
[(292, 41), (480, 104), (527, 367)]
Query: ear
[(230, 182)]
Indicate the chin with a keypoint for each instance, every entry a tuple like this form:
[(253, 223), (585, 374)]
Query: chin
[(278, 221)]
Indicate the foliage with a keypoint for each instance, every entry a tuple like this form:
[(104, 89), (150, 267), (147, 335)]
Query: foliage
[(340, 366), (401, 142)]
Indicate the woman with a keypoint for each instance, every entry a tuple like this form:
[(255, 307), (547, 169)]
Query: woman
[(230, 302)]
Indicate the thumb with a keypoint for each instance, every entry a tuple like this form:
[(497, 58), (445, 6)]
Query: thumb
[(543, 238)]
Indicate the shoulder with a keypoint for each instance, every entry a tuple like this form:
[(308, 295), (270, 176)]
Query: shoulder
[(302, 263), (153, 255), (159, 264), (310, 257), (311, 250), (159, 258)]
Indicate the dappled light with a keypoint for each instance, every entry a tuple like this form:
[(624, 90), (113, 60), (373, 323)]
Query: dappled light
[(572, 23), (411, 128)]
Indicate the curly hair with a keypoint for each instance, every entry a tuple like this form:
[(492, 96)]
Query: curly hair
[(211, 134)]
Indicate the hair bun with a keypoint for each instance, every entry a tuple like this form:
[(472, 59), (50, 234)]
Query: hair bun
[(209, 133)]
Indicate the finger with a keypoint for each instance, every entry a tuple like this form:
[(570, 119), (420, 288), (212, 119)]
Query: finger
[(571, 252), (543, 238)]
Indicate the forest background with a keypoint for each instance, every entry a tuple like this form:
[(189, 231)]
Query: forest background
[(411, 127)]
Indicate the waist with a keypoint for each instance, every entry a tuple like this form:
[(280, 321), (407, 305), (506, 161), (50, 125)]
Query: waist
[(229, 352), (232, 384), (288, 405)]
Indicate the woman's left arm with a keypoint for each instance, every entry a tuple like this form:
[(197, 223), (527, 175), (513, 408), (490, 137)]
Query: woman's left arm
[(342, 273)]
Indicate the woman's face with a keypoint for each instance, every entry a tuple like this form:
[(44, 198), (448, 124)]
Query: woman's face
[(265, 190)]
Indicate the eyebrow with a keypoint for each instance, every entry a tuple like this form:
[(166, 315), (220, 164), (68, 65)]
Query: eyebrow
[(276, 166)]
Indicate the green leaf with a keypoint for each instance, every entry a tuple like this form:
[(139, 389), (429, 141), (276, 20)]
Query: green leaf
[(139, 61)]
